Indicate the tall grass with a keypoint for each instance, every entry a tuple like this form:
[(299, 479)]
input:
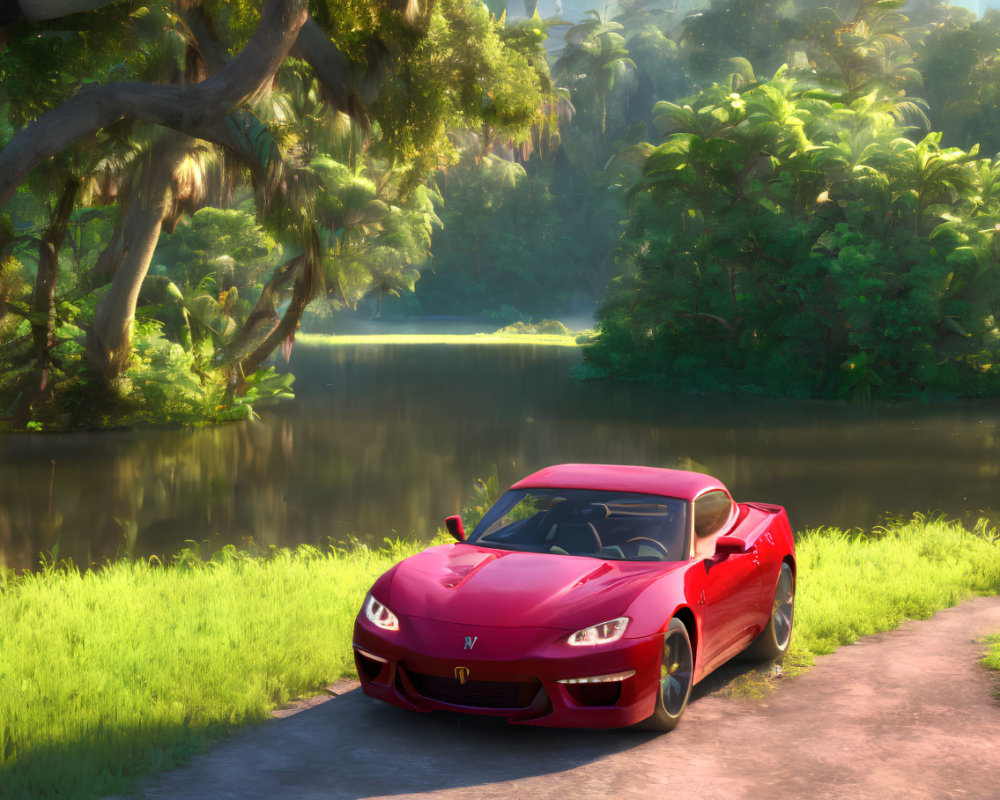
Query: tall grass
[(112, 673), (852, 584), (992, 657)]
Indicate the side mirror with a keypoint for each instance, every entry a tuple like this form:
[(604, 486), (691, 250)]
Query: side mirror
[(730, 546), (455, 527)]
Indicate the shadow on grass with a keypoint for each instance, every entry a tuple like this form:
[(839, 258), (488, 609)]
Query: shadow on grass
[(106, 761)]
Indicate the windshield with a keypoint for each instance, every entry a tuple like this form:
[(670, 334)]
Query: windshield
[(621, 526)]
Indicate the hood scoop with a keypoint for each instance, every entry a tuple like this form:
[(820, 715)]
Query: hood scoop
[(462, 569), (603, 569)]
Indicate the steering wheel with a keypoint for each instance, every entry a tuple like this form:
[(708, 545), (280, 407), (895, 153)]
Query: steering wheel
[(656, 545)]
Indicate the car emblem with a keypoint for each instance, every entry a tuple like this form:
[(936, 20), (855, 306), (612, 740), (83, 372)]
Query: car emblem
[(462, 673), (470, 642)]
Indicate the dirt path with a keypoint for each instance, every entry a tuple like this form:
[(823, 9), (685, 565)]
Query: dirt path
[(904, 714)]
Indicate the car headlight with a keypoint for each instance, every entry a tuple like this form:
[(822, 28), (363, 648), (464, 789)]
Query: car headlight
[(610, 631), (380, 616)]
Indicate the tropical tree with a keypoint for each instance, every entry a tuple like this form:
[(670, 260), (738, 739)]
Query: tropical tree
[(660, 72), (756, 31), (961, 64), (593, 63), (396, 79), (783, 238)]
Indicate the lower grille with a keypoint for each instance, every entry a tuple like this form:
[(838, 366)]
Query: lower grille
[(476, 694)]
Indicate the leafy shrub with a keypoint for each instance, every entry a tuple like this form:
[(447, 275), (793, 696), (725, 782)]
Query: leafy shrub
[(546, 326), (797, 243)]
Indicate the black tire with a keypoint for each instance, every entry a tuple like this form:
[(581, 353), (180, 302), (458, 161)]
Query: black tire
[(676, 674), (772, 643)]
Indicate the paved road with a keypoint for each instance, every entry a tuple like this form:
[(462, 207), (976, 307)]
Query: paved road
[(904, 714)]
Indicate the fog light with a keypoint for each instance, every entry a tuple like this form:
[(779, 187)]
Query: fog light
[(615, 676)]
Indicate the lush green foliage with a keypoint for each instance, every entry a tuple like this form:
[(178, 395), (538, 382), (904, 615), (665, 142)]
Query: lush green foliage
[(802, 235), (135, 666), (961, 68), (518, 243), (165, 383), (319, 203), (525, 233), (827, 231), (44, 63), (782, 237)]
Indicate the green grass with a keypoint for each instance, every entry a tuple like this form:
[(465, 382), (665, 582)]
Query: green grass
[(116, 672), (110, 674), (992, 657), (546, 339), (852, 584)]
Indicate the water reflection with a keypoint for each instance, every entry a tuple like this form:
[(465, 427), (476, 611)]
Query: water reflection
[(390, 439)]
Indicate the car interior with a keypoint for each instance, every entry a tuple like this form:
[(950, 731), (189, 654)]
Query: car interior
[(623, 527)]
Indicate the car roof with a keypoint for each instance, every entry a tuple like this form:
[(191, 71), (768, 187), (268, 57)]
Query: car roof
[(678, 483)]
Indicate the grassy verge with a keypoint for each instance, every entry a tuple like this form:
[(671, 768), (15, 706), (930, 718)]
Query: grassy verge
[(852, 584), (992, 657), (546, 339), (113, 673)]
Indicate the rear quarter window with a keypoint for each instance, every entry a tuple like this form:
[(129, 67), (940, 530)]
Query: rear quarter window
[(711, 511)]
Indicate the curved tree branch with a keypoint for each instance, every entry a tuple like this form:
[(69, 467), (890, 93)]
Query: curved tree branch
[(189, 109), (344, 91), (328, 63)]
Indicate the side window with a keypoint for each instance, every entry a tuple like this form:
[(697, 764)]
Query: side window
[(711, 511)]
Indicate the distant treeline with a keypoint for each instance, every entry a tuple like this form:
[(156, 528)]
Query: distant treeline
[(810, 200), (784, 196)]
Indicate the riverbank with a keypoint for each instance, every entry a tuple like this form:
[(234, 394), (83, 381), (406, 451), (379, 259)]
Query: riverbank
[(500, 337), (115, 672)]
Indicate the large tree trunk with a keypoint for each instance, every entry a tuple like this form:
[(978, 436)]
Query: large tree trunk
[(43, 306), (109, 338)]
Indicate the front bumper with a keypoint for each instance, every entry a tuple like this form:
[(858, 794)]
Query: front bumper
[(508, 672)]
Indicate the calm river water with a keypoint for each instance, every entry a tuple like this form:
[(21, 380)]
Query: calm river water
[(390, 439)]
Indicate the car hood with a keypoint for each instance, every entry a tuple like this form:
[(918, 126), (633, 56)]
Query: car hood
[(479, 586)]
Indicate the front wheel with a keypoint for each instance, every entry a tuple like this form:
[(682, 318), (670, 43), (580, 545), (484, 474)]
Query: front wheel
[(772, 643), (676, 673)]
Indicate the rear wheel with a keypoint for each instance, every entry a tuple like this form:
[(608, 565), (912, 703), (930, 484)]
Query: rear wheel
[(676, 673), (773, 641)]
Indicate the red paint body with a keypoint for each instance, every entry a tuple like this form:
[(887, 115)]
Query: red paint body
[(501, 619)]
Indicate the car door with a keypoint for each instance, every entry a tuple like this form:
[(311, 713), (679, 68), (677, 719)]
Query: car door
[(732, 583)]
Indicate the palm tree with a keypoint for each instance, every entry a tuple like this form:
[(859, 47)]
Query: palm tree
[(925, 172), (872, 54), (593, 63)]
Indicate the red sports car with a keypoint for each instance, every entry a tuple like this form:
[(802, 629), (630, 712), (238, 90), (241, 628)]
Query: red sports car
[(588, 596)]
